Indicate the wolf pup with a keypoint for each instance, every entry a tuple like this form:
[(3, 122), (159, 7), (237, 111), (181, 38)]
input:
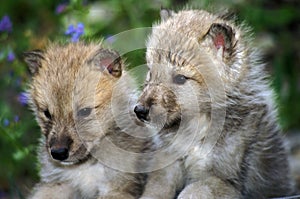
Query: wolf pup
[(72, 90), (208, 96)]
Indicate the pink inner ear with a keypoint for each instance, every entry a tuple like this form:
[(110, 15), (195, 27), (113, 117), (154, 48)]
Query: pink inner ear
[(219, 41), (107, 63)]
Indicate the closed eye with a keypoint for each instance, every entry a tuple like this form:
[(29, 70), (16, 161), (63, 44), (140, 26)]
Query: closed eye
[(179, 79), (84, 112)]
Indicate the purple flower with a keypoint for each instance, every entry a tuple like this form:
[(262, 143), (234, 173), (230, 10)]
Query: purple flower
[(80, 28), (71, 29), (60, 8), (5, 24), (16, 118), (75, 32), (75, 37), (11, 56), (6, 122), (23, 98)]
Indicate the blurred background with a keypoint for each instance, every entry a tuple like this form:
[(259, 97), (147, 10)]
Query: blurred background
[(27, 25)]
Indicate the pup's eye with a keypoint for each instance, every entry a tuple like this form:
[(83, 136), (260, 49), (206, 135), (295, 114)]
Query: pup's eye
[(47, 114), (84, 112), (179, 79)]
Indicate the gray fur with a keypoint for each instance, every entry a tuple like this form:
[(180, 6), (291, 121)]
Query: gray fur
[(226, 106)]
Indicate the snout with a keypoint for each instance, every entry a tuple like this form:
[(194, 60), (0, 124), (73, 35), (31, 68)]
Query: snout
[(142, 112), (60, 147), (60, 153)]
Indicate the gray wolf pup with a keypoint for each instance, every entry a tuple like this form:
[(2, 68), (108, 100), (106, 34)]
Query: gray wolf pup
[(71, 93), (209, 97)]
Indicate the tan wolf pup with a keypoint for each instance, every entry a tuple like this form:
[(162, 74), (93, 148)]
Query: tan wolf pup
[(208, 95), (72, 90)]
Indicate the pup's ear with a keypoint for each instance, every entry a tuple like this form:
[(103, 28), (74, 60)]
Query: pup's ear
[(166, 14), (222, 39), (109, 61), (33, 59)]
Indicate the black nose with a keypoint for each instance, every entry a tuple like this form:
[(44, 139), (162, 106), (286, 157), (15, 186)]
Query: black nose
[(141, 112), (60, 154)]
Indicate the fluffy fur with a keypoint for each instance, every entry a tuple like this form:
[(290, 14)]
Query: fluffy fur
[(73, 89), (209, 97)]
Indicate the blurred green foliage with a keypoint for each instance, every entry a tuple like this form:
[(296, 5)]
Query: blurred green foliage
[(37, 22)]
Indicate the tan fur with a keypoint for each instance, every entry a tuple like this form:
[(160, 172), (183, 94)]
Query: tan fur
[(67, 79), (208, 97)]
